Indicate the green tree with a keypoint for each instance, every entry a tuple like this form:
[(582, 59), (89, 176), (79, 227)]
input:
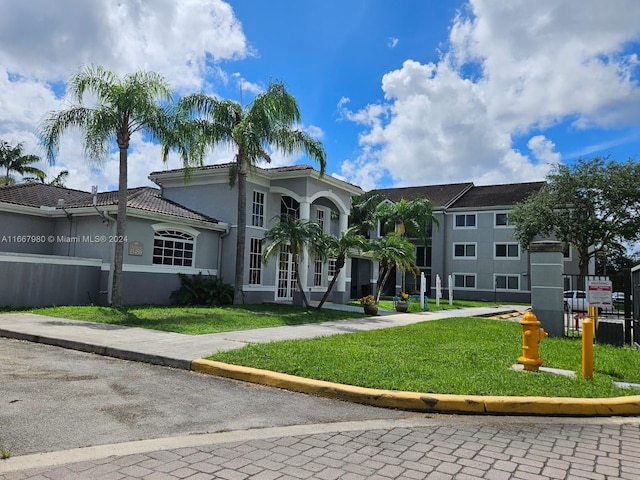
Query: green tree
[(409, 218), (592, 205), (12, 159), (339, 248), (363, 209), (138, 102), (298, 234), (392, 251), (268, 121)]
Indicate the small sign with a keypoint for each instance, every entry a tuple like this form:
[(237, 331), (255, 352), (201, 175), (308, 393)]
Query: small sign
[(135, 249), (599, 293)]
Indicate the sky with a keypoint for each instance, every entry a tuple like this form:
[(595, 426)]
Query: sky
[(401, 93)]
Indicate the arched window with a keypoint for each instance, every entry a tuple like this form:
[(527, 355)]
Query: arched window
[(173, 247)]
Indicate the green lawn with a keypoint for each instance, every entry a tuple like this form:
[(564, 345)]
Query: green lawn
[(199, 320), (457, 356)]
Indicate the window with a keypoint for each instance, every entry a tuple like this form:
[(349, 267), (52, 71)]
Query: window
[(331, 269), (462, 280), (255, 262), (173, 247), (317, 273), (502, 219), (464, 250), (466, 221), (508, 282), (289, 206), (320, 218), (257, 213), (423, 256), (507, 250)]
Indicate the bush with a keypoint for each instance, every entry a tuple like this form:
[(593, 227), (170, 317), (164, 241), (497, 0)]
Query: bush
[(202, 290)]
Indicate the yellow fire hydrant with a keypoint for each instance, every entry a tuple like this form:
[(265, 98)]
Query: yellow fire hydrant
[(531, 336)]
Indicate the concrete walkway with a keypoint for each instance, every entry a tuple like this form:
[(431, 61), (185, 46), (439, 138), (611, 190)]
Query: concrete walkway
[(178, 350), (187, 352)]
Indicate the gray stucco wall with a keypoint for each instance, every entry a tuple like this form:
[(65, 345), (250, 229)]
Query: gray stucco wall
[(26, 234), (41, 283)]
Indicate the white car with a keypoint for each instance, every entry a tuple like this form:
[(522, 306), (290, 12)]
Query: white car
[(576, 301)]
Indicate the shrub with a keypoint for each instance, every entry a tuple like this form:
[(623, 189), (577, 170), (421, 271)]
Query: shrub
[(202, 290)]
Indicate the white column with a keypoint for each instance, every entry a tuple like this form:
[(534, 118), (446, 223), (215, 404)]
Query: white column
[(305, 212), (341, 284)]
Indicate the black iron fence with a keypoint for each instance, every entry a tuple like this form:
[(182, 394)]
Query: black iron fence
[(616, 323)]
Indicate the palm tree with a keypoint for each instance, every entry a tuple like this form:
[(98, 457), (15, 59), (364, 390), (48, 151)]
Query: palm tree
[(363, 208), (392, 251), (267, 121), (137, 102), (13, 160), (339, 248), (299, 235), (409, 217)]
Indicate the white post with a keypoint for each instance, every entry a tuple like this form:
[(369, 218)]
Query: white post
[(450, 290), (438, 289), (423, 288)]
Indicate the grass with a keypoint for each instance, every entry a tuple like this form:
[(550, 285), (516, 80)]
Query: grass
[(198, 320), (470, 356), (386, 303), (457, 355)]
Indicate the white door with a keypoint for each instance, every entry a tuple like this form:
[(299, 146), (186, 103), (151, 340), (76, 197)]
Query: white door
[(286, 274)]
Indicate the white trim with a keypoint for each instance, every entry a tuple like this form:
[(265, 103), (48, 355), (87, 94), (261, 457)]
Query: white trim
[(132, 267), (495, 225), (469, 274), (175, 226), (506, 275), (506, 257), (465, 227), (49, 259), (465, 257)]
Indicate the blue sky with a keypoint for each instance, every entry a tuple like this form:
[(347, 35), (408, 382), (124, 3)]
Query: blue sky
[(400, 93)]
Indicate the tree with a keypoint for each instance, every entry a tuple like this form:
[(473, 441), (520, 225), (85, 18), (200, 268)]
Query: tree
[(298, 234), (363, 208), (409, 217), (12, 159), (269, 120), (138, 102), (592, 205), (392, 251), (339, 248)]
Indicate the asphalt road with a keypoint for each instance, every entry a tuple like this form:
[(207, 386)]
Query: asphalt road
[(55, 399)]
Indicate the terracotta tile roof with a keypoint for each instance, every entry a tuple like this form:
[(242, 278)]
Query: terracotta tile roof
[(141, 198), (497, 195), (440, 195)]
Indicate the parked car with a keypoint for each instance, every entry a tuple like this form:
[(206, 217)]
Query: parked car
[(576, 301), (617, 297)]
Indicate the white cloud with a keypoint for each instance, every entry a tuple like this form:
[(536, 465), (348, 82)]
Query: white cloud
[(511, 68), (392, 42), (42, 43)]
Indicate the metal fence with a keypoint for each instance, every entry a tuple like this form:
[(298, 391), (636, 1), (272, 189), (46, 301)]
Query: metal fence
[(615, 323)]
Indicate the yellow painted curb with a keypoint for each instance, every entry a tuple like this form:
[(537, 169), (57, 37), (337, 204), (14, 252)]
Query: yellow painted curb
[(426, 402)]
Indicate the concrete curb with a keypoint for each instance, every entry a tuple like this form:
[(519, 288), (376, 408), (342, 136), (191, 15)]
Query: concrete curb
[(425, 402)]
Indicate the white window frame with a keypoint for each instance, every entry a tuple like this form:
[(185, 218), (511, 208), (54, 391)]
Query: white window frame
[(322, 214), (465, 226), (495, 220), (507, 256), (506, 276), (465, 256), (257, 219), (163, 232), (255, 261), (465, 275), (331, 268), (318, 268)]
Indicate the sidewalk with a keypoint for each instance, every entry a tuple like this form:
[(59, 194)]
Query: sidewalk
[(186, 352)]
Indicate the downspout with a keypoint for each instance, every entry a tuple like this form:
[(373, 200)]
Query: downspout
[(220, 238)]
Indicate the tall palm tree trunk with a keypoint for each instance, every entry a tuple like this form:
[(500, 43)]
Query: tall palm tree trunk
[(121, 223), (300, 287), (340, 261), (238, 296)]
